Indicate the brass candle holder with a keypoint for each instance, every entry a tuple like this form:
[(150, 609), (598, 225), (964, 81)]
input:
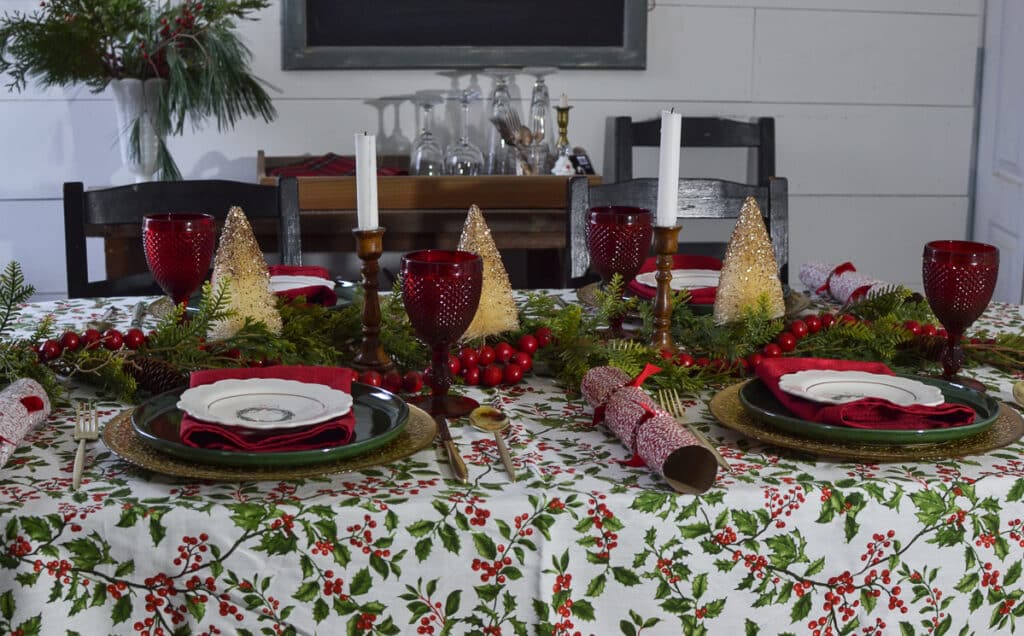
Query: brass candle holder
[(371, 356), (562, 118), (666, 243)]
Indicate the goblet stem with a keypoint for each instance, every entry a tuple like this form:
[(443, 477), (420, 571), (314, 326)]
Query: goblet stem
[(441, 377), (952, 356)]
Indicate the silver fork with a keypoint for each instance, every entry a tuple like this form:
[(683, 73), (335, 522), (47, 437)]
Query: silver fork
[(670, 401), (86, 429)]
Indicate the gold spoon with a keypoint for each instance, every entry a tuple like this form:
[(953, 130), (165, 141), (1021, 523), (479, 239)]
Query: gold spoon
[(491, 420), (1018, 392)]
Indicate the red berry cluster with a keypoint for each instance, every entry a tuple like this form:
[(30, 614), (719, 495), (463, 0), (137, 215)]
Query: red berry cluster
[(111, 339), (489, 366), (500, 364)]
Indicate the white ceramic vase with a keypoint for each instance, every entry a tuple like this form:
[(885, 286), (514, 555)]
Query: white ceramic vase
[(138, 100)]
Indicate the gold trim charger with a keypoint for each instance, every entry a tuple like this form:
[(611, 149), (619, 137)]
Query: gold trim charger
[(726, 407), (122, 439)]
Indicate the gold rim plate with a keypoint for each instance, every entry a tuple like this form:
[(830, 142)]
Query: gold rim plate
[(726, 408), (122, 439)]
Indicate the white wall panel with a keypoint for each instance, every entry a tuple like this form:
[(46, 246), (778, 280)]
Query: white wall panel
[(882, 236), (828, 56), (962, 7)]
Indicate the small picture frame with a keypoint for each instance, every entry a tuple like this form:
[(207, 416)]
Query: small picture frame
[(581, 163)]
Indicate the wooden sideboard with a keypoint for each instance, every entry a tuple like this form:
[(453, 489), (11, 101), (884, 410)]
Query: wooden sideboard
[(524, 213), (526, 216)]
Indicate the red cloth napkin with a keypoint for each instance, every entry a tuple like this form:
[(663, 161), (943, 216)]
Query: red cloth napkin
[(873, 413), (314, 294), (700, 296), (209, 435), (329, 165)]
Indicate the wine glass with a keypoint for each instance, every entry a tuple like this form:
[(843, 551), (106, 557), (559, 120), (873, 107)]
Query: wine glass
[(464, 157), (540, 111), (441, 291), (426, 158), (500, 158), (959, 277), (619, 239), (179, 248)]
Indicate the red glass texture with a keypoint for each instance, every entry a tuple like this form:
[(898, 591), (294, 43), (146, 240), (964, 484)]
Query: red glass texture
[(179, 247), (619, 239), (959, 277), (441, 291)]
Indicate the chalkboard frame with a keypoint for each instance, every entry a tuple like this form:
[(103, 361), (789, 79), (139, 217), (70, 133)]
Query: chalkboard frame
[(296, 55)]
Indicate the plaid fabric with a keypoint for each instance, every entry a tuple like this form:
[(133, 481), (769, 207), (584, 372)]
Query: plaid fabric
[(329, 165)]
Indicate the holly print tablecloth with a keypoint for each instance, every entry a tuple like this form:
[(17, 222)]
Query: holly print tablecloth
[(579, 545)]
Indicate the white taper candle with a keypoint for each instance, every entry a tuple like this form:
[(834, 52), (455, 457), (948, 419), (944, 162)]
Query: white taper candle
[(367, 215), (668, 168)]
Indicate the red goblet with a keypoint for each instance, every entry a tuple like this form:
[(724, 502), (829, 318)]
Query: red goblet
[(441, 291), (179, 247), (959, 277), (619, 239)]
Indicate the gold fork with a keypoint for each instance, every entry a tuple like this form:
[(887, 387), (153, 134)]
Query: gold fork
[(671, 402), (86, 429)]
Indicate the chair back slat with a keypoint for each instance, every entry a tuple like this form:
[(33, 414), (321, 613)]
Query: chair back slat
[(127, 205), (698, 199), (698, 132)]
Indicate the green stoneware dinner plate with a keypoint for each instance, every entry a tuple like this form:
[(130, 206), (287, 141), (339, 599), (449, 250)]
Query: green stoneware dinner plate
[(380, 416), (760, 403)]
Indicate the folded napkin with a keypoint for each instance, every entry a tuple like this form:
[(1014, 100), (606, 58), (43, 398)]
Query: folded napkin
[(23, 406), (842, 282), (872, 413), (653, 436), (699, 296), (329, 165), (335, 432), (314, 294)]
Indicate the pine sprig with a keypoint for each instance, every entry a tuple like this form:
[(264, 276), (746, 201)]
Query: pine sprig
[(13, 292)]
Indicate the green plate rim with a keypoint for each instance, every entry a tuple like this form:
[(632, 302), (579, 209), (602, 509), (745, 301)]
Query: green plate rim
[(761, 404), (364, 396)]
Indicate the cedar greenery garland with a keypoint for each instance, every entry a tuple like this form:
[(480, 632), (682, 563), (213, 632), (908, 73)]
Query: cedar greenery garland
[(191, 44), (18, 358), (317, 336)]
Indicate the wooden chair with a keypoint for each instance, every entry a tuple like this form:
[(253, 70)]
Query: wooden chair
[(699, 132), (126, 205), (698, 199)]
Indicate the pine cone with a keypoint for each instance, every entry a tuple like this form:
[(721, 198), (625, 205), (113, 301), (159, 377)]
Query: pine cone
[(155, 375)]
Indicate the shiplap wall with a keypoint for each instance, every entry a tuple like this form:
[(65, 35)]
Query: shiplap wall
[(873, 101)]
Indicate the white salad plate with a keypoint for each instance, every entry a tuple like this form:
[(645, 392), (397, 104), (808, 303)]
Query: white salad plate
[(285, 282), (264, 403), (683, 278), (840, 387)]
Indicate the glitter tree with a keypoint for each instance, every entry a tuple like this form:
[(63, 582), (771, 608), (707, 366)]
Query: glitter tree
[(749, 271), (497, 311)]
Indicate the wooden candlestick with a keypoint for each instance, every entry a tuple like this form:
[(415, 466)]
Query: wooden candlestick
[(666, 243), (371, 356)]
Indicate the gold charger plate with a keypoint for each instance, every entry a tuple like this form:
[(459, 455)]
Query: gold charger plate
[(728, 410), (121, 438)]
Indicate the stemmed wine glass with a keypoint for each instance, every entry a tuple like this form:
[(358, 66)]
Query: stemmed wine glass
[(441, 291), (540, 111), (179, 248), (464, 157), (959, 277), (618, 238), (427, 158), (500, 158)]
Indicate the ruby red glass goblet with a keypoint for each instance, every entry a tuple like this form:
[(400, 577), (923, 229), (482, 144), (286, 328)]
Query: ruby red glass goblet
[(959, 277), (179, 248), (441, 292), (619, 239)]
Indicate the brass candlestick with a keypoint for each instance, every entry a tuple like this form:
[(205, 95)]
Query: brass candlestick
[(371, 356), (666, 243), (562, 117)]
